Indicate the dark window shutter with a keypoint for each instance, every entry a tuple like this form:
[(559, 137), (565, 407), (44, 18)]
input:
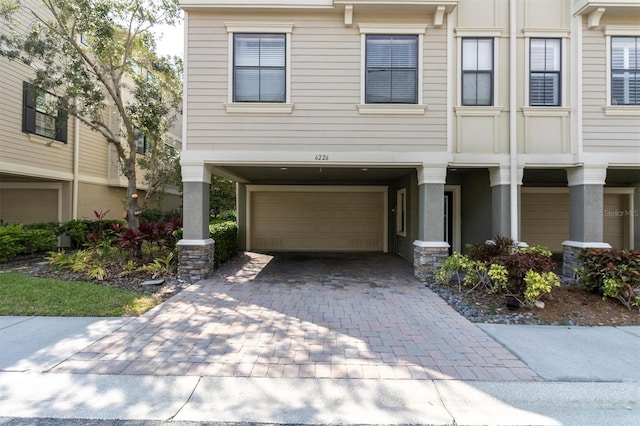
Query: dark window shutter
[(61, 122), (28, 108)]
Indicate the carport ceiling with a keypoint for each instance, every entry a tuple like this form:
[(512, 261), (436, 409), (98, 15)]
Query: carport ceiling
[(315, 175)]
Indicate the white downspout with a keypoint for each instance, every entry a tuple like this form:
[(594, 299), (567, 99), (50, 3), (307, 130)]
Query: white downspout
[(76, 161), (513, 143)]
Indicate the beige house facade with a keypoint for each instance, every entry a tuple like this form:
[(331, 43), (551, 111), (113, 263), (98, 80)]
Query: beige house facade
[(52, 167), (414, 127)]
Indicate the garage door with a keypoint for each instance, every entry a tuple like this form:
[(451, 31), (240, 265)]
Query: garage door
[(317, 221), (545, 219), (28, 205)]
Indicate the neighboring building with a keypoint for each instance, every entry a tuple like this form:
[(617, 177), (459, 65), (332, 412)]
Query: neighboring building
[(54, 168), (414, 127)]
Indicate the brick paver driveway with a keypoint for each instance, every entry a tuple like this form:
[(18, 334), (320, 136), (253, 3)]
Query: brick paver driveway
[(294, 315)]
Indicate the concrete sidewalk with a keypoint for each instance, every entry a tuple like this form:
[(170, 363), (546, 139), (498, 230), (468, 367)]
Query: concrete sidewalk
[(592, 392)]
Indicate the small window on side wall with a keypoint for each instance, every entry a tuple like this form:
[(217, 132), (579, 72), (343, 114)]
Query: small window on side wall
[(142, 145), (401, 212), (43, 113)]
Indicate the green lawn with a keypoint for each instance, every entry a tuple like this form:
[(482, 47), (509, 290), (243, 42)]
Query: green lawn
[(25, 295)]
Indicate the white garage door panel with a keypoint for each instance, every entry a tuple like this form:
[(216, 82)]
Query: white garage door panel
[(331, 221)]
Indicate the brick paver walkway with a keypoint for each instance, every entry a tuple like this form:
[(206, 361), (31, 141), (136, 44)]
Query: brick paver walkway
[(315, 316)]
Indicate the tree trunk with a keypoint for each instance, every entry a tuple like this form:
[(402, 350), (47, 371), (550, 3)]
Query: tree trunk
[(133, 209)]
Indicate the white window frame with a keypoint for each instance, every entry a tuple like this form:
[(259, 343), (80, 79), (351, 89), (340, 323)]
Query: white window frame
[(495, 35), (387, 29), (617, 31), (401, 212), (258, 28), (563, 35)]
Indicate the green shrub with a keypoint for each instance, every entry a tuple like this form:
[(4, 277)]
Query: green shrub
[(489, 250), (11, 241), (227, 216), (538, 284), (17, 239), (225, 236), (157, 215), (518, 264), (612, 273)]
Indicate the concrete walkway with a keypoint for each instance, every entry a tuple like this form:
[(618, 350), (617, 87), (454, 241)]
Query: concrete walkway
[(302, 340)]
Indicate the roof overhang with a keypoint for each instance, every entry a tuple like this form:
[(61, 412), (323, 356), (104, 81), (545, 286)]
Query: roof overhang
[(594, 10), (429, 6)]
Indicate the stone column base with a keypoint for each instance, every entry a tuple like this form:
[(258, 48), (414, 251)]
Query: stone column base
[(195, 259), (570, 252), (427, 258)]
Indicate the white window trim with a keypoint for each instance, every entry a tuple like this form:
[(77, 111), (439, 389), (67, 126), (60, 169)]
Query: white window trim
[(401, 212), (563, 35), (257, 28), (478, 33), (400, 109), (617, 110)]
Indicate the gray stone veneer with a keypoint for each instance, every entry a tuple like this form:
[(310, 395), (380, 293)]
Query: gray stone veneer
[(426, 261), (570, 252), (195, 262)]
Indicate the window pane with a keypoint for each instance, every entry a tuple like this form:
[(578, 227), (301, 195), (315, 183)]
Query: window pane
[(272, 85), (403, 52), (624, 88), (403, 84), (624, 53), (470, 54), (247, 50), (247, 85), (45, 125), (378, 86), (543, 89), (469, 89), (544, 55), (484, 89), (272, 50), (485, 55), (378, 52)]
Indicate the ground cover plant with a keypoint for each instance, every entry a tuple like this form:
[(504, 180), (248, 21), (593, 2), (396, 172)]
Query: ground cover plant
[(501, 283)]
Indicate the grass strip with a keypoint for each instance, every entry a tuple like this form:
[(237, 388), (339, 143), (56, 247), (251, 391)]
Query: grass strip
[(24, 295)]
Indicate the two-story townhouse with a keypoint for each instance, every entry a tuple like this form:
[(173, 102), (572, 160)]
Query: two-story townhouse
[(413, 127), (52, 167)]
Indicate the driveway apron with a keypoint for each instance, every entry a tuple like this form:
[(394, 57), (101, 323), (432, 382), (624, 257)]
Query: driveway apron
[(304, 316)]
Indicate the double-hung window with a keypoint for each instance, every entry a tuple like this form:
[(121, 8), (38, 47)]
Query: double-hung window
[(477, 71), (544, 71), (43, 113), (625, 70), (259, 68), (391, 69)]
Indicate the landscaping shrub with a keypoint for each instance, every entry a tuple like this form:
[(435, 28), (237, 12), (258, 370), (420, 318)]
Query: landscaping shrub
[(157, 215), (16, 240), (611, 273), (500, 267), (227, 216), (489, 250), (225, 236)]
